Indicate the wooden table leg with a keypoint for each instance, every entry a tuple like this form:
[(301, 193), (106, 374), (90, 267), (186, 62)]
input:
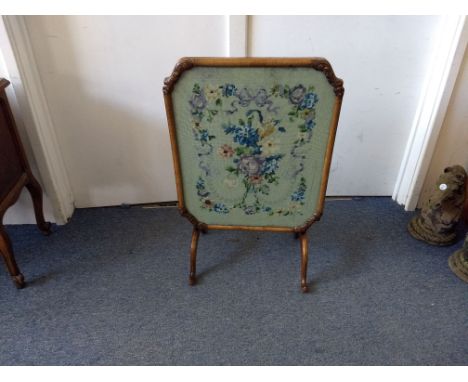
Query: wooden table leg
[(35, 190), (193, 256), (6, 250), (304, 261)]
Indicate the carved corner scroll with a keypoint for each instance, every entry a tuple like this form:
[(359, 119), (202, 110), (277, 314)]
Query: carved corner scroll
[(181, 66)]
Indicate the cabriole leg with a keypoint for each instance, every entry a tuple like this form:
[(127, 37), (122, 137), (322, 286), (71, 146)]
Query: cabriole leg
[(193, 256), (6, 251), (304, 261), (35, 190)]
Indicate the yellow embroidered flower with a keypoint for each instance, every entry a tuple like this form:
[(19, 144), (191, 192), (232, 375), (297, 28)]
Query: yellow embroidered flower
[(196, 125), (270, 146), (294, 207), (212, 93), (305, 113), (267, 129)]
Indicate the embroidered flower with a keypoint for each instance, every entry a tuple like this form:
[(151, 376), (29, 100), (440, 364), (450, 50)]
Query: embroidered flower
[(270, 164), (229, 90), (225, 151), (309, 101), (255, 179), (244, 97), (267, 128), (309, 123), (231, 181), (220, 208), (249, 210), (261, 98), (297, 94), (207, 203), (212, 92), (302, 136), (294, 207), (250, 165), (245, 135), (270, 146), (198, 102), (297, 196), (196, 125)]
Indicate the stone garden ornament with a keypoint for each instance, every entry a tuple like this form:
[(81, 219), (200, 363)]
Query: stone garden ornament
[(440, 214), (458, 262), (252, 142)]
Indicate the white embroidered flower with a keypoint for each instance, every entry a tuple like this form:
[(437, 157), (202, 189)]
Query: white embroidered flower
[(302, 136), (270, 146), (212, 93), (231, 181)]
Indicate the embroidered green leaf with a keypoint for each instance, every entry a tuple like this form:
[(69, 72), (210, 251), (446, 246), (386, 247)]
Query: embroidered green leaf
[(265, 189)]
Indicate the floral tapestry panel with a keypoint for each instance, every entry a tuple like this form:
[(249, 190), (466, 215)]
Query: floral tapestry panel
[(252, 143)]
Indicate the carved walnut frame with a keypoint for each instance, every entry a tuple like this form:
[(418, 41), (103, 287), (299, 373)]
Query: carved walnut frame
[(188, 63)]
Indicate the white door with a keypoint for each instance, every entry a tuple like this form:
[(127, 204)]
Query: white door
[(103, 75)]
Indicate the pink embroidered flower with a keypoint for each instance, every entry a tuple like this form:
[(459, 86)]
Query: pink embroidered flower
[(225, 151), (255, 179)]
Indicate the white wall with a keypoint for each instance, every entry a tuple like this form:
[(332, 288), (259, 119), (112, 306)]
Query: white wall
[(102, 77), (383, 61), (452, 144)]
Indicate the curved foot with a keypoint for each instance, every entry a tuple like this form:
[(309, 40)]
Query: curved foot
[(304, 261), (192, 280), (193, 256), (46, 228), (18, 280)]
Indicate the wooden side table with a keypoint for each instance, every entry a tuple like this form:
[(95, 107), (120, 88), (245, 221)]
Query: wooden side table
[(15, 173)]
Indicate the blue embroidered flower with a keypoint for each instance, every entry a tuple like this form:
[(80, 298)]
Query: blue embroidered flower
[(204, 136), (249, 210), (309, 124), (297, 196), (270, 165), (245, 135), (220, 208), (229, 90), (198, 102), (200, 183), (309, 101), (297, 94), (201, 191)]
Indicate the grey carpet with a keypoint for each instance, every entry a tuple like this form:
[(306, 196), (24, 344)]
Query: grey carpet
[(111, 287)]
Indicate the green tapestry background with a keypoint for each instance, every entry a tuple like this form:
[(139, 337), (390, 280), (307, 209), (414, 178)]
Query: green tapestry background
[(252, 143)]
